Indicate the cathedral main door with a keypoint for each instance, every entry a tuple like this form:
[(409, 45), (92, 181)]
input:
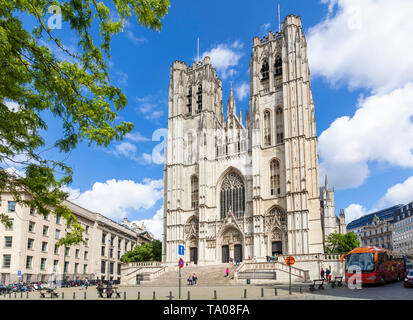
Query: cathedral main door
[(225, 254), (193, 252), (238, 252), (277, 247)]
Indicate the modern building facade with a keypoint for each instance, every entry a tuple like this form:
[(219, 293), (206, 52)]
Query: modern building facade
[(357, 226), (244, 189), (403, 229), (29, 252)]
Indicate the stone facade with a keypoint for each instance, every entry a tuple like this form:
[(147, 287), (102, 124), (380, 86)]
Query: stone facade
[(235, 189), (403, 229), (29, 246), (378, 233)]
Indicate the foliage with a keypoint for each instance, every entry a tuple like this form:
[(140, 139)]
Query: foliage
[(35, 80), (341, 243), (146, 252)]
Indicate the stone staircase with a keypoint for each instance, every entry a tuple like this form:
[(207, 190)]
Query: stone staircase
[(207, 276)]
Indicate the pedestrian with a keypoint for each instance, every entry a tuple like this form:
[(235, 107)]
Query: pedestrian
[(322, 274), (327, 274), (227, 272), (194, 279), (189, 280), (109, 290), (86, 283)]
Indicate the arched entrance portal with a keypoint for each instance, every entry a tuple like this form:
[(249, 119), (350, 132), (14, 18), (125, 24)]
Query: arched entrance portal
[(276, 229), (231, 245)]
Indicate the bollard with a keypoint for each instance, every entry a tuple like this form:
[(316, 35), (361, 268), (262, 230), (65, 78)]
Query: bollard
[(63, 295), (15, 295), (189, 295), (84, 295), (215, 294), (9, 294), (301, 289), (245, 293), (262, 292), (27, 295), (154, 296), (124, 295), (170, 295), (139, 295), (275, 291), (74, 295), (21, 294)]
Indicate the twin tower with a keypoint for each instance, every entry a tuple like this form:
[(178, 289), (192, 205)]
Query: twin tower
[(243, 188)]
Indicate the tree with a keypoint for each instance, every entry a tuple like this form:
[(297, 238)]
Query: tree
[(146, 252), (34, 81), (341, 243)]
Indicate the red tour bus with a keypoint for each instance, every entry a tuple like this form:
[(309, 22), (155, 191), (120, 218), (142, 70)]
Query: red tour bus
[(377, 265)]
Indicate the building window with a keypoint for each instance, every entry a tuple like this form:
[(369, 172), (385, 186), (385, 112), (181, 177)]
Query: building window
[(67, 251), (199, 99), (77, 252), (55, 265), (58, 218), (189, 101), (103, 267), (29, 260), (103, 251), (111, 253), (44, 246), (232, 195), (275, 178), (119, 268), (126, 245), (66, 267), (6, 261), (57, 235), (45, 229), (111, 268), (31, 226), (118, 255), (76, 267), (8, 242), (86, 255), (87, 229), (56, 249), (11, 224), (30, 243), (103, 238), (86, 242), (279, 120), (267, 128), (85, 269), (194, 192), (43, 264), (265, 70), (12, 206), (32, 211), (278, 66)]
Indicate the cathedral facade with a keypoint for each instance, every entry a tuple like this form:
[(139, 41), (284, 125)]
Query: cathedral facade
[(243, 188)]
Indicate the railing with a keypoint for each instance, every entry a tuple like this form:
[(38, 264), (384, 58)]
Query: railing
[(303, 274), (156, 264)]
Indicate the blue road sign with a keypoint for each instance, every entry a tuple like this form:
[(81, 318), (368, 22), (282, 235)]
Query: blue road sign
[(19, 273), (181, 249)]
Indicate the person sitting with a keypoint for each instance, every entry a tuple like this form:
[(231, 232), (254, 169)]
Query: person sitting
[(190, 281), (100, 289)]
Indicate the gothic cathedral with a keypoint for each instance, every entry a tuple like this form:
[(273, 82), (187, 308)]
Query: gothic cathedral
[(244, 189)]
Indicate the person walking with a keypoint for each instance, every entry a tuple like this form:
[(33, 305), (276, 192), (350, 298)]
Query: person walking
[(86, 283), (194, 279), (322, 274), (227, 272), (327, 274)]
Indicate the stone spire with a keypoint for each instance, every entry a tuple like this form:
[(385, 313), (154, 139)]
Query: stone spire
[(231, 106)]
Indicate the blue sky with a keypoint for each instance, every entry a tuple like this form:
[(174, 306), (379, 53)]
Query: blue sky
[(361, 86)]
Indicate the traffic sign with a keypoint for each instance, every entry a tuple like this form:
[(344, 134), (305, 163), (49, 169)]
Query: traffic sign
[(19, 273), (181, 263), (290, 261), (181, 249)]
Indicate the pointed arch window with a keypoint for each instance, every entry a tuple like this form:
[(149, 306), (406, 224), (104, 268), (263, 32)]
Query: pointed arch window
[(194, 192), (267, 128), (275, 178), (189, 101), (280, 214), (199, 99), (265, 70), (278, 66), (232, 195), (280, 125)]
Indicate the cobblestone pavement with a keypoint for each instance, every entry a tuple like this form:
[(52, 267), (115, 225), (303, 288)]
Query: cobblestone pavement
[(391, 291)]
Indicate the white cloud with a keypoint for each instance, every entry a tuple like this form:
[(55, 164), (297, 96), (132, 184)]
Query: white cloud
[(118, 199), (354, 211), (242, 91), (12, 106), (401, 193), (122, 79), (380, 130), (154, 225), (365, 44), (149, 106), (225, 58), (136, 137), (265, 27), (134, 39)]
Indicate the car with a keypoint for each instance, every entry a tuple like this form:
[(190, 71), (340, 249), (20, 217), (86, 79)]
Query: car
[(408, 280), (4, 289)]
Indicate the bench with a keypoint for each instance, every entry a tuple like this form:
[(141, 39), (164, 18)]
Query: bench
[(337, 282), (317, 284), (53, 293)]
